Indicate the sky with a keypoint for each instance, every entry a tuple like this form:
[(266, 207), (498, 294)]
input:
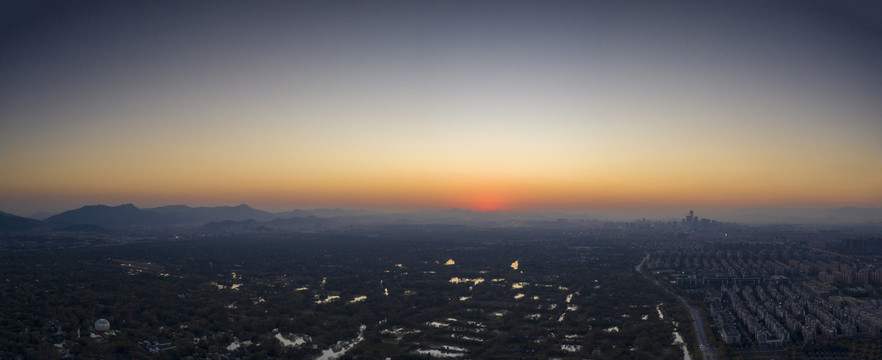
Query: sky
[(508, 105)]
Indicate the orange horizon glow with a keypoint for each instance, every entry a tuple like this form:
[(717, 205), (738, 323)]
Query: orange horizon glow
[(535, 109), (482, 197), (490, 186)]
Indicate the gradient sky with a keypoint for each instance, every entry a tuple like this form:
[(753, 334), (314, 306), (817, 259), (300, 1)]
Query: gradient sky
[(580, 105)]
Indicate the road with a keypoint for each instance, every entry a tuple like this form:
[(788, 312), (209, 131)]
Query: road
[(708, 350)]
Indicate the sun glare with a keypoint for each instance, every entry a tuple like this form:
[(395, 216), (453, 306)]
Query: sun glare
[(486, 202)]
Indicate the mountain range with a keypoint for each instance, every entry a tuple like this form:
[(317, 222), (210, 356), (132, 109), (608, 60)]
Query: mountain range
[(201, 215), (126, 215), (9, 222), (95, 218)]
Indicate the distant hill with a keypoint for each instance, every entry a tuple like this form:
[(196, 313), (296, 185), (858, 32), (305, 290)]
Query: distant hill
[(298, 223), (249, 225), (110, 217), (859, 214), (197, 215), (843, 215), (84, 228), (323, 213), (292, 214), (9, 222)]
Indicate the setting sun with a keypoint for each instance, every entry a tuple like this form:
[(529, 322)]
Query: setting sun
[(487, 202)]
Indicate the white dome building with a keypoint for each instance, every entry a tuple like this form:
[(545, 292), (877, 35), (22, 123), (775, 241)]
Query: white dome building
[(102, 325)]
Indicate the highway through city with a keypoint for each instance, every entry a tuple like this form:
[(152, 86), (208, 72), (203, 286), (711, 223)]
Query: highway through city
[(708, 350)]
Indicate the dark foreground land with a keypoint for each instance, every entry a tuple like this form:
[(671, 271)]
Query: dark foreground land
[(398, 292)]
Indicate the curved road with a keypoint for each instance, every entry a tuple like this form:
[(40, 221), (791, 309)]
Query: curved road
[(708, 350)]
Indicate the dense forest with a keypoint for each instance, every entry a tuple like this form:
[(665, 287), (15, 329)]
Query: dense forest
[(399, 293)]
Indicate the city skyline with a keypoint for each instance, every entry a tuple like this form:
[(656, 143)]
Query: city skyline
[(496, 106)]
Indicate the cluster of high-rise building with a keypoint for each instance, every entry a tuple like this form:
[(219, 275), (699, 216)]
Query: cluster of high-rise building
[(842, 273), (692, 222), (776, 313), (775, 294)]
